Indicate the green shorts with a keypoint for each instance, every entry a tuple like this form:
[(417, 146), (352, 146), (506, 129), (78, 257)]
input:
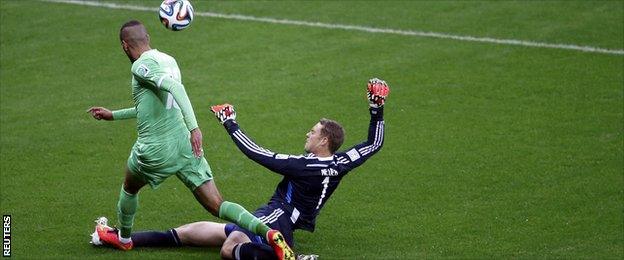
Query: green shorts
[(155, 162)]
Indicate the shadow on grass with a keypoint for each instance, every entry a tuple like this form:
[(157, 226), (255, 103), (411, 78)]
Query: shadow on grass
[(159, 252)]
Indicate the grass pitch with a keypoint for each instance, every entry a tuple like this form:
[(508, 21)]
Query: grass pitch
[(492, 151)]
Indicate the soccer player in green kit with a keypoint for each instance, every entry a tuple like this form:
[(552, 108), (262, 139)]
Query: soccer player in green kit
[(169, 142)]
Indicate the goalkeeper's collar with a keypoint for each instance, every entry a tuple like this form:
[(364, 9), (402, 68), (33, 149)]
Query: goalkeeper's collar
[(328, 158)]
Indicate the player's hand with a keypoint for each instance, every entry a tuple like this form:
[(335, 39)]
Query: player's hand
[(224, 112), (376, 92), (100, 113), (196, 142)]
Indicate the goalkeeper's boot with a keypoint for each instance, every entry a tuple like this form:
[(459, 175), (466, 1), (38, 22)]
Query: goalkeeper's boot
[(282, 250), (110, 236)]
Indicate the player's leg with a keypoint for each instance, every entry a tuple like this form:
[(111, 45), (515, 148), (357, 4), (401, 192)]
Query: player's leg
[(208, 195), (233, 240), (251, 250), (126, 208), (205, 233), (238, 246), (242, 244), (128, 203), (197, 176), (168, 238)]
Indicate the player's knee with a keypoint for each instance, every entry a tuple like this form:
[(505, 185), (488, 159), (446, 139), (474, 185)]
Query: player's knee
[(209, 197), (213, 208), (226, 251), (132, 183), (183, 234)]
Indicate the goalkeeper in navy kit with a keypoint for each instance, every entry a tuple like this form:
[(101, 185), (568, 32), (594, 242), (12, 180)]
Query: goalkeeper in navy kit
[(309, 180)]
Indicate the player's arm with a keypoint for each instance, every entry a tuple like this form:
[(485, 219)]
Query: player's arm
[(377, 92), (125, 113), (178, 92), (279, 163), (176, 89), (100, 113), (358, 154), (149, 71)]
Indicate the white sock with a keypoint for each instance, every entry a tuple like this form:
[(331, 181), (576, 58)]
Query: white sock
[(124, 240)]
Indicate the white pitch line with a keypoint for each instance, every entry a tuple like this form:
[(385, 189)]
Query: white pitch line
[(359, 28)]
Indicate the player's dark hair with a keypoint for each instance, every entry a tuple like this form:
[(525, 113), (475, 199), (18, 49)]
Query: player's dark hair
[(134, 36), (130, 23), (334, 133), (126, 25)]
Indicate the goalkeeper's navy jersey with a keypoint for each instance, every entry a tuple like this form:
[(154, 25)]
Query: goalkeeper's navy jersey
[(309, 180)]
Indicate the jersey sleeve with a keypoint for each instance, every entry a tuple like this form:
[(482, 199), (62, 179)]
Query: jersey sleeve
[(289, 165), (358, 154), (148, 70), (125, 113)]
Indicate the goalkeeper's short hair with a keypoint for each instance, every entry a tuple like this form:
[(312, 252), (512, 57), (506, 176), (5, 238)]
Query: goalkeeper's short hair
[(334, 133)]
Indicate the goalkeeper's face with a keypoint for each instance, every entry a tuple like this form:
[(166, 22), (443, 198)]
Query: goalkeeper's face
[(316, 143)]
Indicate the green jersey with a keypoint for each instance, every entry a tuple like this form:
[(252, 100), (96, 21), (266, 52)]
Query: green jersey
[(164, 118), (162, 107)]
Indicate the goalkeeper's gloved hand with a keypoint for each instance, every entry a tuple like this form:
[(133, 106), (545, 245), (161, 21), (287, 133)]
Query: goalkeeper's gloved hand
[(377, 91), (224, 112)]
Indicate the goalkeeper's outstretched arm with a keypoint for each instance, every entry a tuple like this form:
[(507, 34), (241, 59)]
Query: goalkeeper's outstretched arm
[(278, 163), (376, 92), (358, 154)]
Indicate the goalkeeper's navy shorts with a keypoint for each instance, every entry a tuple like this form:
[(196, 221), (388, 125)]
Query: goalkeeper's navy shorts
[(274, 217)]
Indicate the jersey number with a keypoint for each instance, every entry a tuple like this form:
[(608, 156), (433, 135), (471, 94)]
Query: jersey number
[(325, 184), (171, 103)]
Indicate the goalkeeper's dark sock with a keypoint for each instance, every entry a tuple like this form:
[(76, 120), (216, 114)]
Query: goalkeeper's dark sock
[(253, 251), (240, 216), (168, 238)]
